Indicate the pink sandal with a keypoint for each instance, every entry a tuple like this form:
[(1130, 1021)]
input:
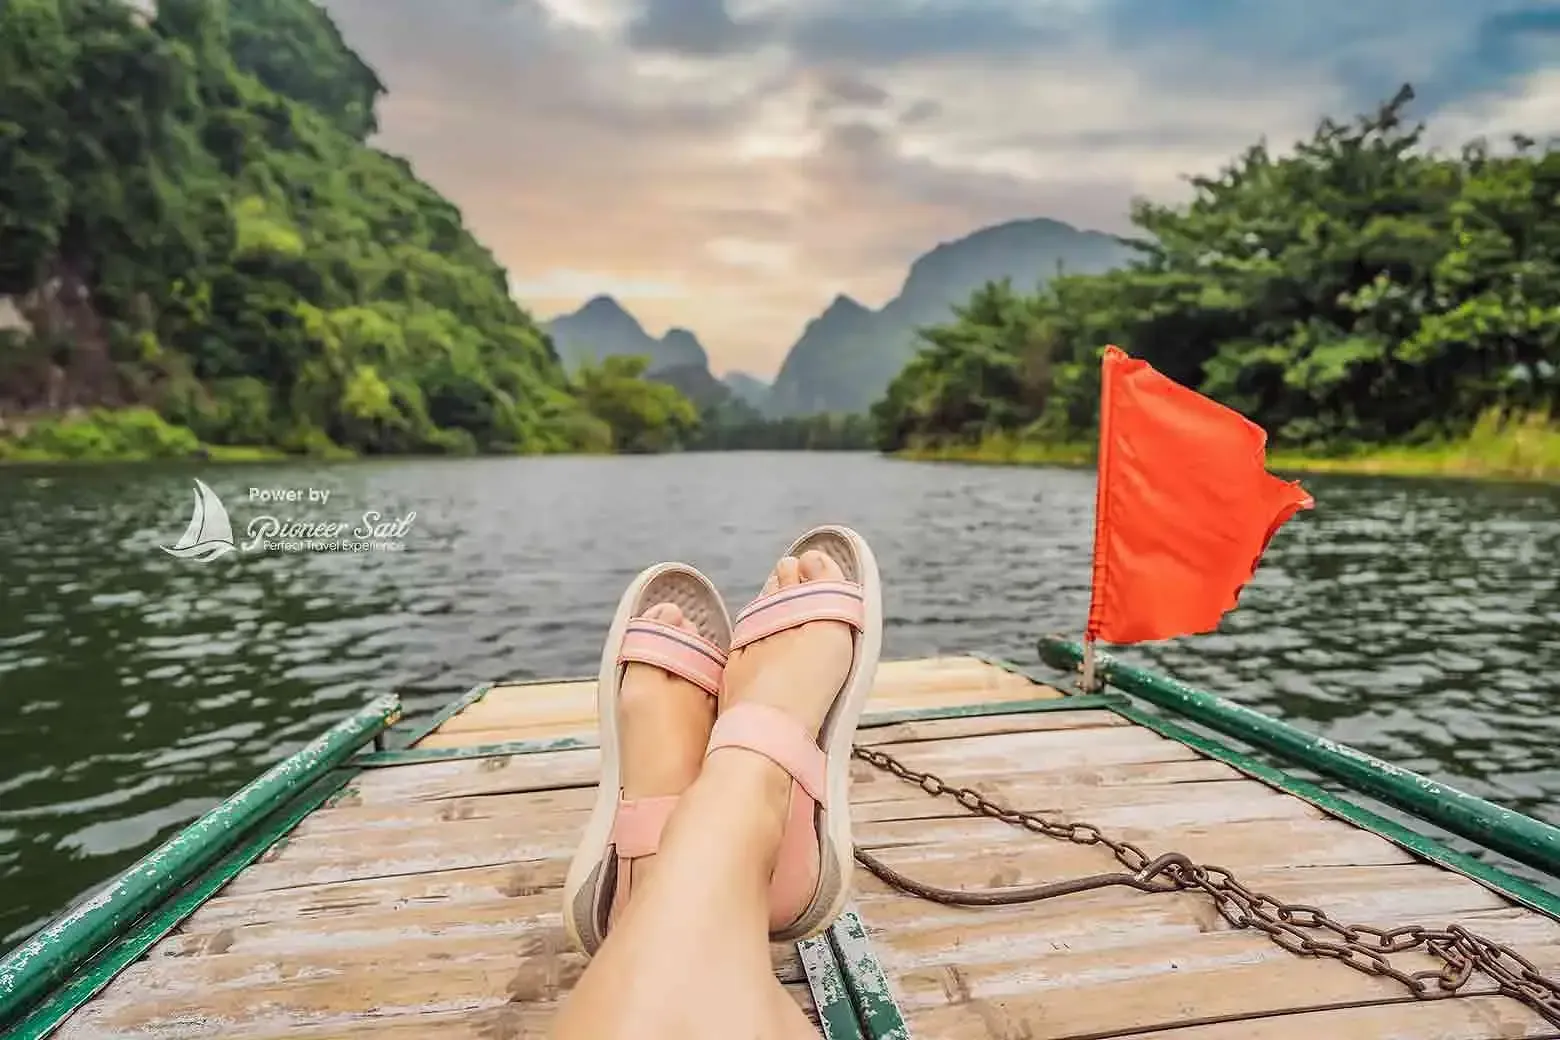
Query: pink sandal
[(621, 830), (811, 880)]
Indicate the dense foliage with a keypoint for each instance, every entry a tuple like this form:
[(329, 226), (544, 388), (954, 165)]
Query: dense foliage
[(736, 426), (1360, 290), (190, 220), (690, 409), (636, 416)]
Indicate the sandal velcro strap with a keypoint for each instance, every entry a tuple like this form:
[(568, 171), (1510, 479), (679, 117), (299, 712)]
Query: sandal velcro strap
[(791, 607), (778, 737), (636, 831), (682, 653)]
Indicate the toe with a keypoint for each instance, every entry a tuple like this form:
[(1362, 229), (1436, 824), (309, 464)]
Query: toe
[(771, 584), (667, 614), (789, 571), (819, 566)]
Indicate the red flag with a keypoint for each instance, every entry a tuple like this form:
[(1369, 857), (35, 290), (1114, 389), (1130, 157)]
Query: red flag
[(1184, 508)]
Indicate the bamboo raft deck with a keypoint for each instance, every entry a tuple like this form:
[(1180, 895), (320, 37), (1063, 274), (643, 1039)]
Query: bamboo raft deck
[(423, 898)]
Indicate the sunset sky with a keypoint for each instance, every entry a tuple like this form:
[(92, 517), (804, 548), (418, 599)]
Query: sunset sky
[(730, 166)]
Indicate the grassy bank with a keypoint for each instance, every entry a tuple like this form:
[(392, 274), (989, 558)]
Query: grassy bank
[(126, 435), (1499, 447), (1004, 451)]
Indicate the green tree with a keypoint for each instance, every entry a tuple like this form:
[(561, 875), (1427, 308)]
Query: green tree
[(192, 221), (1361, 289), (643, 415)]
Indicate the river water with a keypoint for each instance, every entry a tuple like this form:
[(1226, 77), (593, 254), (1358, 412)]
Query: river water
[(1417, 620)]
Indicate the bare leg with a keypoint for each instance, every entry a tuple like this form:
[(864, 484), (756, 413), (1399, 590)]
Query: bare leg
[(689, 956)]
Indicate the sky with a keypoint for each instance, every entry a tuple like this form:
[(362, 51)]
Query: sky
[(730, 165)]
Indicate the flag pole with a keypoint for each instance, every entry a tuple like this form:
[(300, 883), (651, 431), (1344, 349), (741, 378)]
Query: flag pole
[(1087, 682)]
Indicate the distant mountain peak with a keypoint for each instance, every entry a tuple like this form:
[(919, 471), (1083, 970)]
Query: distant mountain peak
[(748, 387), (601, 303), (847, 355), (604, 328), (682, 347), (844, 304)]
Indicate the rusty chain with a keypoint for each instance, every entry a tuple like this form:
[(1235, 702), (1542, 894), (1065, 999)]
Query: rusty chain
[(1299, 928)]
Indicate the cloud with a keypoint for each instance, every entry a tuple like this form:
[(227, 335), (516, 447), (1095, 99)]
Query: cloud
[(896, 35), (754, 254), (730, 166), (693, 27), (1531, 108)]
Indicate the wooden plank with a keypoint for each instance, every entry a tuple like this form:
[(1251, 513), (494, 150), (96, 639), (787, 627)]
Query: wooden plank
[(349, 861), (503, 775), (584, 729), (580, 729), (240, 904), (1158, 983), (937, 847), (1220, 801), (1019, 744), (366, 864), (1014, 754), (395, 1021), (500, 932), (282, 1000), (529, 836), (543, 710), (391, 816), (919, 934), (872, 802), (981, 725), (875, 797), (1470, 1018), (473, 844), (334, 953)]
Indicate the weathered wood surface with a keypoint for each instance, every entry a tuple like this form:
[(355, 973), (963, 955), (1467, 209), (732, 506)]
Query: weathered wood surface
[(423, 901), (538, 711), (1119, 963)]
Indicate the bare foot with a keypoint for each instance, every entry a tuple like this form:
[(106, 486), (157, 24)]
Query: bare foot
[(800, 670), (664, 722)]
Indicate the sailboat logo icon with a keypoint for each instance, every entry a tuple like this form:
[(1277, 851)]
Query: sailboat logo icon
[(209, 535)]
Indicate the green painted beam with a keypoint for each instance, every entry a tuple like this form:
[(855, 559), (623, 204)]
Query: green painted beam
[(417, 731), (1503, 830), (866, 980), (119, 955), (837, 1014), (65, 943)]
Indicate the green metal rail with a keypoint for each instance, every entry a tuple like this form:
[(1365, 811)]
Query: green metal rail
[(1502, 830), (57, 949), (125, 950)]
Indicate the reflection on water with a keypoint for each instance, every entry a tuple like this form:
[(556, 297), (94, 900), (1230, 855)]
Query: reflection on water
[(1420, 621)]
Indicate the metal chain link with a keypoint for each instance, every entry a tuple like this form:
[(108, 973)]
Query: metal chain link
[(1299, 928)]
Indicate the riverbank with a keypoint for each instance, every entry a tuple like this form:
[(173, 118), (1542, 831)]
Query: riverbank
[(1524, 448), (124, 435)]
